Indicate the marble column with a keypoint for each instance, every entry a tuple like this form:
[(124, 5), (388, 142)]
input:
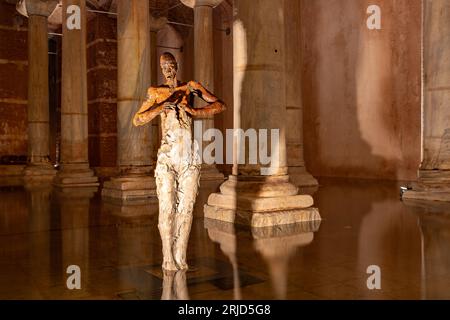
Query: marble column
[(204, 64), (39, 166), (156, 24), (294, 136), (434, 173), (75, 170), (134, 151), (259, 194)]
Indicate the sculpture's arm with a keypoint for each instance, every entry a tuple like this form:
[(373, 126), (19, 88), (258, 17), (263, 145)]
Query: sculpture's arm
[(215, 105), (149, 109)]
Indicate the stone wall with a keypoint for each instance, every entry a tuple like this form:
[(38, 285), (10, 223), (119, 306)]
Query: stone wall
[(13, 83), (102, 92), (361, 89)]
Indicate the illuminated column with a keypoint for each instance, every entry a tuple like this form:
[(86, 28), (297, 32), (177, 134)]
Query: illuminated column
[(39, 166), (434, 173), (75, 171), (204, 63), (134, 144), (294, 109), (259, 193)]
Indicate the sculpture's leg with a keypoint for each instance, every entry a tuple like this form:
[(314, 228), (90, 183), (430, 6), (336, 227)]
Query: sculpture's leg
[(188, 182), (166, 190)]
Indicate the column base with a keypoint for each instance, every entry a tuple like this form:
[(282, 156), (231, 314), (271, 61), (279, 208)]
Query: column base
[(433, 185), (302, 178), (260, 202), (130, 188), (76, 176), (11, 175), (39, 172), (211, 173)]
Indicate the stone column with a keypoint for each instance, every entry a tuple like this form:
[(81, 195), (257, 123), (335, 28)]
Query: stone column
[(294, 136), (39, 166), (204, 63), (75, 171), (434, 173), (134, 151), (156, 24), (259, 194)]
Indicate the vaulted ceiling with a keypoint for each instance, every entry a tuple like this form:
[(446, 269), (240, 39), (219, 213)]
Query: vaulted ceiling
[(174, 10)]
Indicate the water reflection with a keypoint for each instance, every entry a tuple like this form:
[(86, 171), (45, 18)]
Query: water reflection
[(276, 245), (434, 223), (175, 285)]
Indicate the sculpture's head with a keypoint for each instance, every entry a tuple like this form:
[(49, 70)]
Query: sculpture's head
[(169, 66)]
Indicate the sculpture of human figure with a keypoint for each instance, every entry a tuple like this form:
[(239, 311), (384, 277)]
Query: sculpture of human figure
[(178, 166)]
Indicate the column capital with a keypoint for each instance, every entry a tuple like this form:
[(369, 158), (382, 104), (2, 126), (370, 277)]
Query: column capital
[(157, 24), (199, 3), (36, 7)]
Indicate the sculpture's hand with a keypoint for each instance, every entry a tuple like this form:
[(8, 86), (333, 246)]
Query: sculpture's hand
[(168, 105), (214, 106)]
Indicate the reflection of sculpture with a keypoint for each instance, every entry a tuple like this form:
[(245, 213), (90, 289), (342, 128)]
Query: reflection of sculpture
[(178, 166), (175, 286)]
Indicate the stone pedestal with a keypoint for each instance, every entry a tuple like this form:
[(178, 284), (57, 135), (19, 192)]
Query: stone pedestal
[(204, 64), (434, 174), (39, 166), (134, 154), (75, 170), (257, 194), (294, 108)]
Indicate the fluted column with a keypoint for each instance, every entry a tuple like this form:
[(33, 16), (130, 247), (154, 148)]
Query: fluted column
[(136, 180), (260, 194), (434, 173), (294, 108), (39, 166), (204, 63), (75, 171)]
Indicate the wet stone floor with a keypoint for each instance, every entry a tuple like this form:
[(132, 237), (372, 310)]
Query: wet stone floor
[(118, 249)]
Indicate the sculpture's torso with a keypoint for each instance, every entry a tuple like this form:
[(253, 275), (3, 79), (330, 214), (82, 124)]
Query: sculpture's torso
[(178, 148)]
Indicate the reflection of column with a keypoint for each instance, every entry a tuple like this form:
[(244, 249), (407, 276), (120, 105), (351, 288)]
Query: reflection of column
[(277, 246), (134, 249), (74, 213), (134, 144), (261, 193), (225, 234), (75, 171), (156, 24), (39, 217), (39, 166), (434, 223), (204, 63), (434, 175), (294, 109)]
